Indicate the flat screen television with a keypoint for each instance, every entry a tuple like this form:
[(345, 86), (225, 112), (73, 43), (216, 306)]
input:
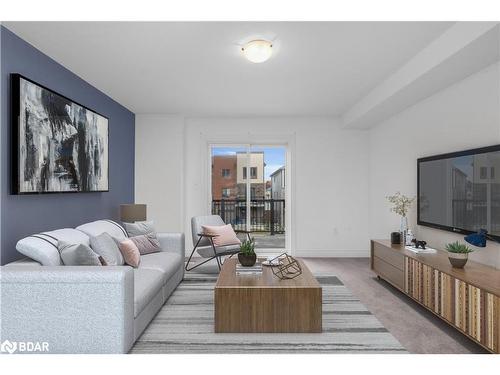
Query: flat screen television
[(460, 191)]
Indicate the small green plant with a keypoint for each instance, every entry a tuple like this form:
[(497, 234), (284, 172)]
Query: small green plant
[(457, 247), (247, 247)]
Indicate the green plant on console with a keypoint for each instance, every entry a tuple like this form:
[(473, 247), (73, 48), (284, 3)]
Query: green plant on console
[(247, 247), (458, 248)]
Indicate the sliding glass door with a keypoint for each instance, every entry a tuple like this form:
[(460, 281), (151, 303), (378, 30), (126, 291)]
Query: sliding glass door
[(249, 191)]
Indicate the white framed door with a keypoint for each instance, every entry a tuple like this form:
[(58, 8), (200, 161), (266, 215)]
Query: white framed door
[(249, 185)]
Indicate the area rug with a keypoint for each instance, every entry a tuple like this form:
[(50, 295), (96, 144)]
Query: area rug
[(185, 325)]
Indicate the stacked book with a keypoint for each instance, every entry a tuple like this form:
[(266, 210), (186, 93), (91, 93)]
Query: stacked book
[(256, 269), (427, 250)]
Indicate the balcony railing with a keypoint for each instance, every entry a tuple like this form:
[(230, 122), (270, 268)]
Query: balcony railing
[(266, 215)]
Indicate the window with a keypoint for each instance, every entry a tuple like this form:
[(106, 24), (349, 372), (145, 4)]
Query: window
[(244, 180), (253, 172), (483, 172), (492, 173)]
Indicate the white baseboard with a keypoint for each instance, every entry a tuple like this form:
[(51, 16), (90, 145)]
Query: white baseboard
[(315, 254), (332, 253)]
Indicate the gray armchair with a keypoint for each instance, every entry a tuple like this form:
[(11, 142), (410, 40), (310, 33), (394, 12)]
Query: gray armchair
[(204, 243)]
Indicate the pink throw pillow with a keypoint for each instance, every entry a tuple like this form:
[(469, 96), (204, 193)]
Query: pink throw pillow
[(224, 234), (146, 243), (130, 252)]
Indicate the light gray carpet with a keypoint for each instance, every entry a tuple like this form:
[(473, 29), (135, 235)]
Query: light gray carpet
[(185, 325)]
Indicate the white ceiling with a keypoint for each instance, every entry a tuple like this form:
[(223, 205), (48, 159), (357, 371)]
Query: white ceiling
[(195, 68)]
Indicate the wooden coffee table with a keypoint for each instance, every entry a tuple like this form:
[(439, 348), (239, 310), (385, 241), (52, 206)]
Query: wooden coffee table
[(264, 303)]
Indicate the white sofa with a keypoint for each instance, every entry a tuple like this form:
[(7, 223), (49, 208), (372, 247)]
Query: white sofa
[(85, 309)]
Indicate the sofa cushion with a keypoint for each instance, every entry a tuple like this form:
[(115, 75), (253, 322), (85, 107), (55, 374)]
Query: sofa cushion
[(165, 262), (24, 262), (42, 247), (95, 228), (139, 228), (224, 234), (78, 254), (146, 243), (147, 283), (105, 246), (130, 252)]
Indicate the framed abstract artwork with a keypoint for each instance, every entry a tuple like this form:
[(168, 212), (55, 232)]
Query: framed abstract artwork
[(58, 145)]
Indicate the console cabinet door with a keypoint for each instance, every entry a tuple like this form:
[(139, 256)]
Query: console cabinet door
[(470, 309)]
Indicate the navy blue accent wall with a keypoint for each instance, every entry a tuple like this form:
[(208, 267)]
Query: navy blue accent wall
[(22, 215)]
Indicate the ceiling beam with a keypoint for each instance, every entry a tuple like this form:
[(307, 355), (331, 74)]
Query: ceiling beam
[(460, 51)]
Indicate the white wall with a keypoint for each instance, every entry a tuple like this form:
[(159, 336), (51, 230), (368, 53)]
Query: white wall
[(463, 116), (341, 177), (159, 165), (329, 167), (329, 172)]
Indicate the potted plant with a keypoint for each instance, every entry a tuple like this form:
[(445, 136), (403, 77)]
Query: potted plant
[(458, 253), (401, 205), (247, 256)]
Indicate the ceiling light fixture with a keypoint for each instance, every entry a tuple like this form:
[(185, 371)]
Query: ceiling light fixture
[(257, 51)]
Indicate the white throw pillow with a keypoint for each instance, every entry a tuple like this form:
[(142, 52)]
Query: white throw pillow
[(140, 228), (77, 254), (42, 247), (97, 227), (105, 246)]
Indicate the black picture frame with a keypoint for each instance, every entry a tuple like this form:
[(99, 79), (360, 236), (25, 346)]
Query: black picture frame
[(474, 151), (15, 88)]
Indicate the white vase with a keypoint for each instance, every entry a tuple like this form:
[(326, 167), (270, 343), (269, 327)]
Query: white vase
[(403, 228)]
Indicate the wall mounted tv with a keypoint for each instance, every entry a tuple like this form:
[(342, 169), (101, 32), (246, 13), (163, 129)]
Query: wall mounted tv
[(460, 191)]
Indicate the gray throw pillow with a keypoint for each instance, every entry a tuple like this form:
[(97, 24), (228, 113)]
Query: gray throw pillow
[(139, 228), (146, 243), (105, 246), (77, 254)]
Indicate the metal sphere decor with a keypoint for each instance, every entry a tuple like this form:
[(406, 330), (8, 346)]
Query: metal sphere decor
[(288, 267)]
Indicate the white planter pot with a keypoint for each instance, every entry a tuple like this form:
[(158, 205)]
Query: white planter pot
[(458, 260)]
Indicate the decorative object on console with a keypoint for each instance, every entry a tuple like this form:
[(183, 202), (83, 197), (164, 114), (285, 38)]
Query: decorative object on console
[(130, 213), (409, 238), (479, 239), (420, 247), (289, 267), (419, 244), (401, 205), (247, 256), (395, 238), (458, 253), (58, 145)]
